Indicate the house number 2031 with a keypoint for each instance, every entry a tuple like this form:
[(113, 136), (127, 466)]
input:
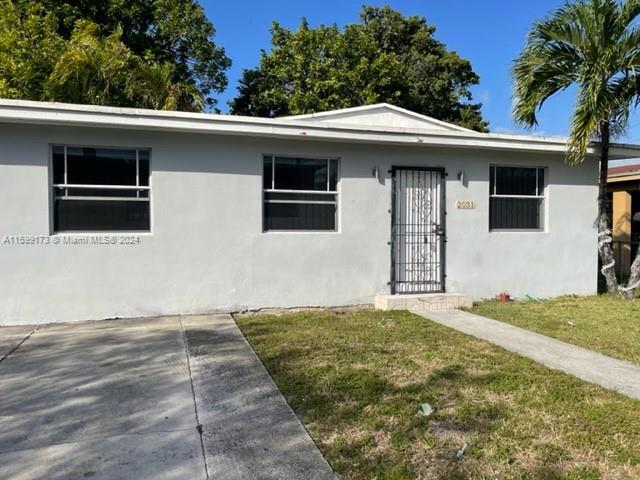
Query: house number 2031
[(465, 205)]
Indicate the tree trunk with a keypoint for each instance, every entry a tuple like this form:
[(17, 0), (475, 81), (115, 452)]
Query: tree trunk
[(604, 234), (634, 279)]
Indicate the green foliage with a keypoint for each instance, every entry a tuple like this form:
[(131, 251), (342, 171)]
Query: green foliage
[(592, 44), (153, 54), (92, 69), (385, 58), (29, 47), (153, 87)]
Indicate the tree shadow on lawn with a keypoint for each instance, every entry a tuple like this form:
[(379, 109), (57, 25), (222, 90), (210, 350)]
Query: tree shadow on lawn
[(355, 404), (514, 415)]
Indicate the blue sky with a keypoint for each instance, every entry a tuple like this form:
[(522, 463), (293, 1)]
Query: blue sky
[(488, 33)]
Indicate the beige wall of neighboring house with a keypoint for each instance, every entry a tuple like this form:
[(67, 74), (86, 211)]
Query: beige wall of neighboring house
[(624, 185)]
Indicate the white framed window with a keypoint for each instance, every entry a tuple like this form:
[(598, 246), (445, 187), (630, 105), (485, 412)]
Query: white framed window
[(300, 193), (99, 189), (516, 198)]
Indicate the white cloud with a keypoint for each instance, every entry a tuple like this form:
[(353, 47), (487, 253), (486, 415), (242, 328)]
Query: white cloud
[(484, 97)]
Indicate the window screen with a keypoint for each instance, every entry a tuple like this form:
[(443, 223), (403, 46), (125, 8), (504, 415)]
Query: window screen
[(300, 193), (100, 189), (516, 198)]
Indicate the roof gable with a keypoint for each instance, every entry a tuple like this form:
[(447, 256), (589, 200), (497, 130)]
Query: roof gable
[(379, 115)]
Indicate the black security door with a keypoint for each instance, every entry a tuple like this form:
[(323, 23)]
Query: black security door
[(417, 230)]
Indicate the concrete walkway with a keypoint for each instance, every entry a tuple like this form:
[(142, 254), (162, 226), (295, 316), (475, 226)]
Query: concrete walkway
[(167, 398), (618, 375), (249, 430)]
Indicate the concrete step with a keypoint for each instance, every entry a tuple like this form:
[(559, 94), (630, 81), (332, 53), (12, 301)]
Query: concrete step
[(423, 302)]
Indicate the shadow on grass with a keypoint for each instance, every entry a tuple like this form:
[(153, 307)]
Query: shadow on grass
[(357, 383), (345, 399)]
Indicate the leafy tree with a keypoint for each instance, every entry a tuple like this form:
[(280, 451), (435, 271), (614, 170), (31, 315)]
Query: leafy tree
[(92, 69), (153, 87), (29, 47), (593, 44), (385, 58), (167, 42), (103, 71)]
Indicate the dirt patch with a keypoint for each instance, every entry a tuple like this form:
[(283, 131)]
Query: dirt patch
[(342, 310), (382, 442)]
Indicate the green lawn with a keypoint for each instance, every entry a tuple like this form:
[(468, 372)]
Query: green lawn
[(357, 378), (607, 325)]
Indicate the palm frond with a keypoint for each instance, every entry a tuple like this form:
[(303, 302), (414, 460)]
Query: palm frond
[(594, 44), (629, 12), (628, 50), (549, 64), (585, 122)]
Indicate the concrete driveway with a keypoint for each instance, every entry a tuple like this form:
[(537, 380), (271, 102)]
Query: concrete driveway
[(160, 398)]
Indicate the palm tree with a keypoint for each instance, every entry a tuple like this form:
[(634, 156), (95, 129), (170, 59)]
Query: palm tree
[(595, 46), (152, 85), (100, 70), (92, 69)]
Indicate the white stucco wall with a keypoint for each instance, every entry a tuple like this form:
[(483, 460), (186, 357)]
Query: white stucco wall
[(207, 250)]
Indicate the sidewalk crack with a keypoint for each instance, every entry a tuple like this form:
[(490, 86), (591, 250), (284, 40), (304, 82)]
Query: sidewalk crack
[(14, 349), (199, 428)]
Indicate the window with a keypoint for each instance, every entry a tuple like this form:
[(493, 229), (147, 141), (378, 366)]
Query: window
[(516, 198), (300, 193), (100, 189)]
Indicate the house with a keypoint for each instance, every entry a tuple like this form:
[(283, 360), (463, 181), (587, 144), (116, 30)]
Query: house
[(115, 212), (624, 192)]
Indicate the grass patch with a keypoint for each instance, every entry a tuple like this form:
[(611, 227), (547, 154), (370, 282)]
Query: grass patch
[(604, 324), (356, 380)]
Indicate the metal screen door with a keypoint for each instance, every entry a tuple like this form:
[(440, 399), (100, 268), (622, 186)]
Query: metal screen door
[(417, 230)]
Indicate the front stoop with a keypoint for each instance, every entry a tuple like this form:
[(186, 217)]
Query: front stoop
[(423, 302)]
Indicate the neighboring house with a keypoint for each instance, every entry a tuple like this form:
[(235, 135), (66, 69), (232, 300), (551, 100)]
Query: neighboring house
[(110, 212), (624, 188)]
